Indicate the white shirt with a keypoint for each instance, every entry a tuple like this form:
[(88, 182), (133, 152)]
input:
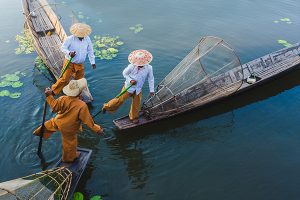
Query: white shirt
[(82, 48), (139, 75)]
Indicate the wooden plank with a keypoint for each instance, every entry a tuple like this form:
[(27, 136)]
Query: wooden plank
[(77, 168)]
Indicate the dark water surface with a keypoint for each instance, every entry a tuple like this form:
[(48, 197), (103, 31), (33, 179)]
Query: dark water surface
[(244, 148)]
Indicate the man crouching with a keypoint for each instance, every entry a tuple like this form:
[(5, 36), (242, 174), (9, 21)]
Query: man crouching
[(71, 111)]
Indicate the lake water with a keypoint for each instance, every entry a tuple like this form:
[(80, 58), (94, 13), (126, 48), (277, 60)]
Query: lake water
[(244, 148)]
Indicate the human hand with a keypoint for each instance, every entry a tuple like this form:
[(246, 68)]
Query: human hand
[(94, 66), (133, 82), (48, 91), (72, 54), (151, 94)]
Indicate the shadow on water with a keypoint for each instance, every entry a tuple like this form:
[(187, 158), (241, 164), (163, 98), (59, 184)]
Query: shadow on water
[(282, 83)]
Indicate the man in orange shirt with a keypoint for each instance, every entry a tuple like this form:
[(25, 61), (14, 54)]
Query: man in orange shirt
[(71, 112)]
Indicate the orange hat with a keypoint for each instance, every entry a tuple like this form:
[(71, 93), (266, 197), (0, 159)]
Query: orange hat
[(140, 57)]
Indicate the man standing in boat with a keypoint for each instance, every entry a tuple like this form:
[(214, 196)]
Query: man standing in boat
[(135, 74), (77, 46), (71, 113)]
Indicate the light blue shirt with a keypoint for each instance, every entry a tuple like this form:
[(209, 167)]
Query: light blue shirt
[(82, 48), (139, 75)]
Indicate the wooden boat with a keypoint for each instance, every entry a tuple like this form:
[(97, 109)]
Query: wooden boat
[(48, 35), (263, 69), (77, 168), (57, 183)]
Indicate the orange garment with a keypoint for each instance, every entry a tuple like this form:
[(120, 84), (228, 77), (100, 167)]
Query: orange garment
[(115, 103), (75, 70), (71, 111)]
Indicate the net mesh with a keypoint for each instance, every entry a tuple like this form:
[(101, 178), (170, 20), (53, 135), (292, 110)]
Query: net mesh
[(51, 184), (211, 70)]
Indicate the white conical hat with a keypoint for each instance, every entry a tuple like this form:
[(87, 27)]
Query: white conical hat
[(140, 57), (75, 87), (80, 30)]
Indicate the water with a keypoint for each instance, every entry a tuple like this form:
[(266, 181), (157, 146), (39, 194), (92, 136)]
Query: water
[(244, 148)]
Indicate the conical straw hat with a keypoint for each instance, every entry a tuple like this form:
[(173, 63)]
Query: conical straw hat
[(80, 30), (75, 87), (140, 57)]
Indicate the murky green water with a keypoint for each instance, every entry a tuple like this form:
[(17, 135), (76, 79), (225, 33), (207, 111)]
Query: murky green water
[(244, 148)]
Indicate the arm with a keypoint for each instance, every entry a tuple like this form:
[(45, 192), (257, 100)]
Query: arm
[(127, 71), (151, 79), (86, 118), (65, 46), (55, 104), (90, 51)]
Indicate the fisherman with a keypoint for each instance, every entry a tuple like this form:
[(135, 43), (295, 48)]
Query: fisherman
[(71, 112), (135, 74), (77, 46)]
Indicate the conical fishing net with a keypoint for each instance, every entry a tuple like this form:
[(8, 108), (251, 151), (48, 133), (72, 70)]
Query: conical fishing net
[(210, 71), (51, 184)]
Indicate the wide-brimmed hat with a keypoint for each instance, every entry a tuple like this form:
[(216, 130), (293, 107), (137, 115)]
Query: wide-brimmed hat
[(140, 57), (75, 87), (80, 30)]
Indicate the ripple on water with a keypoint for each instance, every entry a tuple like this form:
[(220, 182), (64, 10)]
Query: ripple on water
[(27, 153)]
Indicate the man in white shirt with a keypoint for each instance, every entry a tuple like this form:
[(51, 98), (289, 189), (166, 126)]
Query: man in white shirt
[(135, 74), (77, 46)]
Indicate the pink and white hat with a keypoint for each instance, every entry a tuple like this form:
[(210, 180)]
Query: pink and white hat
[(140, 57)]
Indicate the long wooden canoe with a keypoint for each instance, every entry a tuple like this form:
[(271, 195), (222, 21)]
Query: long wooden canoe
[(48, 35), (266, 68)]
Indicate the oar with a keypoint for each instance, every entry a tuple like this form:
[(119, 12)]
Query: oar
[(65, 68), (42, 131), (118, 96), (44, 116)]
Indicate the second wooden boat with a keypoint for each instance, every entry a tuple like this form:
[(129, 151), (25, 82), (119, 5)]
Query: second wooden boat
[(211, 72), (48, 35)]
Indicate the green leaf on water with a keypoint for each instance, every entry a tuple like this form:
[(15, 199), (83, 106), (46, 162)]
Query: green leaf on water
[(285, 19), (98, 197), (15, 95), (77, 196), (5, 83), (80, 16), (4, 93), (11, 77), (105, 47), (17, 84), (25, 43), (282, 41), (276, 21)]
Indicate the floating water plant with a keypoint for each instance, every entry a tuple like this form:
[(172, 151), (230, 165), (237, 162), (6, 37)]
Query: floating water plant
[(80, 15), (12, 80), (15, 95), (4, 93), (137, 28), (284, 43), (25, 43), (286, 20), (79, 196), (105, 47)]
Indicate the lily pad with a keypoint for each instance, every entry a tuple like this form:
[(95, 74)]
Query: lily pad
[(98, 197), (77, 196), (284, 43), (17, 84), (15, 95), (25, 43), (5, 83), (285, 20), (11, 77), (105, 47), (4, 93), (137, 28)]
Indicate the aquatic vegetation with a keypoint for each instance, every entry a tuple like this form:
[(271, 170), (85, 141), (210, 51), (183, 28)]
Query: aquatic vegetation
[(12, 80), (284, 43), (137, 28), (25, 43), (15, 95), (105, 47), (4, 93), (79, 196), (80, 15), (286, 20)]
